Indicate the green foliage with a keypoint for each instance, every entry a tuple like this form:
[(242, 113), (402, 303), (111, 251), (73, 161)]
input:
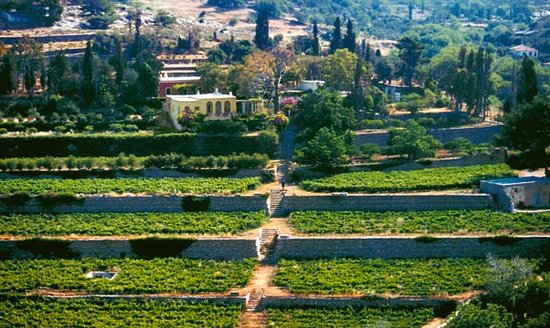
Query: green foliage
[(338, 70), (118, 224), (327, 150), (413, 141), (135, 276), (433, 222), (195, 204), (139, 144), (126, 185), (323, 109), (361, 276), (15, 199), (347, 317), (474, 316), (396, 181), (102, 313), (47, 248)]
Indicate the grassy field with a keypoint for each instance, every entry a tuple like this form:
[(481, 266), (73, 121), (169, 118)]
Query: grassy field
[(316, 222), (398, 181), (111, 224)]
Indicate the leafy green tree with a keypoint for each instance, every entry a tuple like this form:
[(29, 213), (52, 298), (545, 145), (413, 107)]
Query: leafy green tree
[(327, 150), (413, 141), (527, 84), (261, 38), (336, 40), (410, 53), (29, 80), (528, 129), (119, 62), (212, 76), (88, 76), (57, 71), (349, 39), (8, 74), (323, 109), (338, 70)]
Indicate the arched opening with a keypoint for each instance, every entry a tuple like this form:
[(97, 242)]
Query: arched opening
[(209, 108), (218, 108), (227, 107)]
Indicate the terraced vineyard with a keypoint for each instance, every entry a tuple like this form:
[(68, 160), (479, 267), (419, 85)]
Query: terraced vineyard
[(317, 222), (398, 181), (403, 277), (138, 186), (347, 317), (47, 312), (167, 275), (109, 224)]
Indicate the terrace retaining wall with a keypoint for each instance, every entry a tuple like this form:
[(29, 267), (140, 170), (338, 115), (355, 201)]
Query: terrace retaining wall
[(477, 135), (387, 202), (142, 203), (401, 247), (202, 248)]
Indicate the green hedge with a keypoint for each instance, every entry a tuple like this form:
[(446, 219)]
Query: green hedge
[(138, 144)]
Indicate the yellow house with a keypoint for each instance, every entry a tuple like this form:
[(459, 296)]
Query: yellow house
[(214, 106)]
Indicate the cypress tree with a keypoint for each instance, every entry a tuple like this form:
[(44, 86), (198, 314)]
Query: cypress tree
[(336, 41), (56, 73), (349, 40), (315, 46), (261, 38), (118, 62), (87, 84), (527, 84), (7, 74), (29, 79)]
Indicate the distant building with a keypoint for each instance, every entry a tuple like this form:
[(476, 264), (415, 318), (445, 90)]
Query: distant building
[(214, 106), (518, 192), (310, 85), (522, 50)]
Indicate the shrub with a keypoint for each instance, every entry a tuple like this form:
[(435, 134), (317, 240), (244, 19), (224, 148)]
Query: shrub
[(150, 248), (195, 204), (47, 248)]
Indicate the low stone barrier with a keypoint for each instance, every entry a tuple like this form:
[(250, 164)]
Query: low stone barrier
[(441, 307), (141, 203), (202, 248), (387, 202), (403, 247)]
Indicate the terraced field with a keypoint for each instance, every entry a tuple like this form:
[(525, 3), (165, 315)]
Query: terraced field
[(48, 312), (399, 181), (135, 276), (112, 224), (370, 223)]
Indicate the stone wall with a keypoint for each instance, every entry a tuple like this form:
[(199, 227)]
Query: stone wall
[(403, 247), (438, 305), (202, 248), (387, 202), (143, 203), (477, 135)]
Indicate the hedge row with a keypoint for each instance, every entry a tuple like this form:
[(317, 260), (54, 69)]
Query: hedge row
[(138, 144)]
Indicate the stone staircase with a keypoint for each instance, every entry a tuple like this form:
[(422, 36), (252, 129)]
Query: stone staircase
[(254, 316), (267, 239), (276, 203), (288, 142)]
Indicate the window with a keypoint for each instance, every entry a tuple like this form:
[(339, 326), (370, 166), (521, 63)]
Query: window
[(168, 91), (227, 107), (218, 108), (187, 109), (209, 108)]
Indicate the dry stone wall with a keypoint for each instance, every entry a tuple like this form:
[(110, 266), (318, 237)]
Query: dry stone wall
[(202, 248), (400, 247), (387, 202), (142, 203)]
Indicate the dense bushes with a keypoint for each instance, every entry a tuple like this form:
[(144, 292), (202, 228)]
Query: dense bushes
[(139, 144), (167, 161)]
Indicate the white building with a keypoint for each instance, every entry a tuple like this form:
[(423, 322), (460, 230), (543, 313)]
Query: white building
[(521, 50)]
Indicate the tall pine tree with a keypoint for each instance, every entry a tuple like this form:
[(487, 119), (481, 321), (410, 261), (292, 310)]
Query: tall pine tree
[(336, 40), (349, 40), (261, 38), (527, 84)]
